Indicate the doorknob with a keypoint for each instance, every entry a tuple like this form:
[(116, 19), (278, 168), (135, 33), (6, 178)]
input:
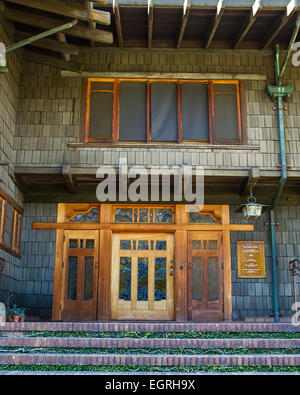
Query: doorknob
[(171, 269)]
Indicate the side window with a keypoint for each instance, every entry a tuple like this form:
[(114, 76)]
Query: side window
[(226, 117)]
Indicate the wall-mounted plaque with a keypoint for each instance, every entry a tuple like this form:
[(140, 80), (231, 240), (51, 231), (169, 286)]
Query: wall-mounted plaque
[(251, 259)]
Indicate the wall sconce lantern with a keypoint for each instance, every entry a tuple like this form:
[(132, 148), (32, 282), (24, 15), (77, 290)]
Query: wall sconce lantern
[(251, 209)]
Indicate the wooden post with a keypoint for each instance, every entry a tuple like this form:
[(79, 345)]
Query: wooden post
[(227, 266), (181, 254), (104, 290), (56, 311)]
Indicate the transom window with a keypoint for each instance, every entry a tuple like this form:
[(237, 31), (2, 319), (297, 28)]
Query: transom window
[(149, 110)]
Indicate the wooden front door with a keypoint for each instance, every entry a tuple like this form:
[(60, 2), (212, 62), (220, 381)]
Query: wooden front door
[(80, 275), (142, 277), (205, 276)]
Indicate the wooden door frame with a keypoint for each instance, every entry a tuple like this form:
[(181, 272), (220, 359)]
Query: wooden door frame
[(211, 235), (115, 270), (179, 228)]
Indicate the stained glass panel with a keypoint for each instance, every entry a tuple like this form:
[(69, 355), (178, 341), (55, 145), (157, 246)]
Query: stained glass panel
[(90, 216), (163, 216), (161, 245), (88, 277), (143, 245), (72, 277), (125, 278), (123, 215), (197, 217), (142, 292), (160, 279), (125, 244), (143, 215)]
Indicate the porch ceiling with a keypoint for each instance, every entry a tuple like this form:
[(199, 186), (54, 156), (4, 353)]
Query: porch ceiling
[(227, 24), (73, 185)]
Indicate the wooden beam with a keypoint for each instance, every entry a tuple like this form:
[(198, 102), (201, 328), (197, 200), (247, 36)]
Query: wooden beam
[(46, 22), (89, 6), (142, 227), (69, 179), (215, 24), (280, 23), (72, 10), (154, 75), (61, 37), (47, 43), (100, 2), (255, 10), (150, 23), (254, 176), (185, 17), (118, 22), (49, 61)]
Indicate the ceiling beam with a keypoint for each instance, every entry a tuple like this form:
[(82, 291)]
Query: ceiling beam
[(251, 18), (100, 2), (118, 22), (185, 17), (45, 22), (215, 24), (73, 10), (254, 176), (150, 23), (70, 181), (280, 23), (61, 37), (47, 43), (89, 5)]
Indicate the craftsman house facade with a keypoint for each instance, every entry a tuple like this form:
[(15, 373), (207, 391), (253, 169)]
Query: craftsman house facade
[(162, 84)]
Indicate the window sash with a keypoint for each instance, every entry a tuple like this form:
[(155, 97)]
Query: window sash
[(211, 111)]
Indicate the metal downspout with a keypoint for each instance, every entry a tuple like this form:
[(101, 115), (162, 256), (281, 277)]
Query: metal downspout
[(283, 178)]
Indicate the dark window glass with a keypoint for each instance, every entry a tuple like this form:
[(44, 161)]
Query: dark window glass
[(72, 278), (213, 279), (133, 111), (194, 102), (226, 114), (88, 277), (164, 123), (102, 85), (197, 278), (101, 114)]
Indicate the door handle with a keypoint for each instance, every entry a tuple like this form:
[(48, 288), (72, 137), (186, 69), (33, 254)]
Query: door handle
[(171, 269)]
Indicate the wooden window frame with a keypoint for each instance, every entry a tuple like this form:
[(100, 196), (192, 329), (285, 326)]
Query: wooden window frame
[(15, 237), (16, 231), (85, 110), (3, 219)]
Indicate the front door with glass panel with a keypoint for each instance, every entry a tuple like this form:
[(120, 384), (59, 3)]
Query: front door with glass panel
[(142, 277), (80, 275), (205, 276)]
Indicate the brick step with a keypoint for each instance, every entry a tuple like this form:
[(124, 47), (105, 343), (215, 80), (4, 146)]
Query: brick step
[(74, 342), (152, 360), (131, 373), (146, 327)]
